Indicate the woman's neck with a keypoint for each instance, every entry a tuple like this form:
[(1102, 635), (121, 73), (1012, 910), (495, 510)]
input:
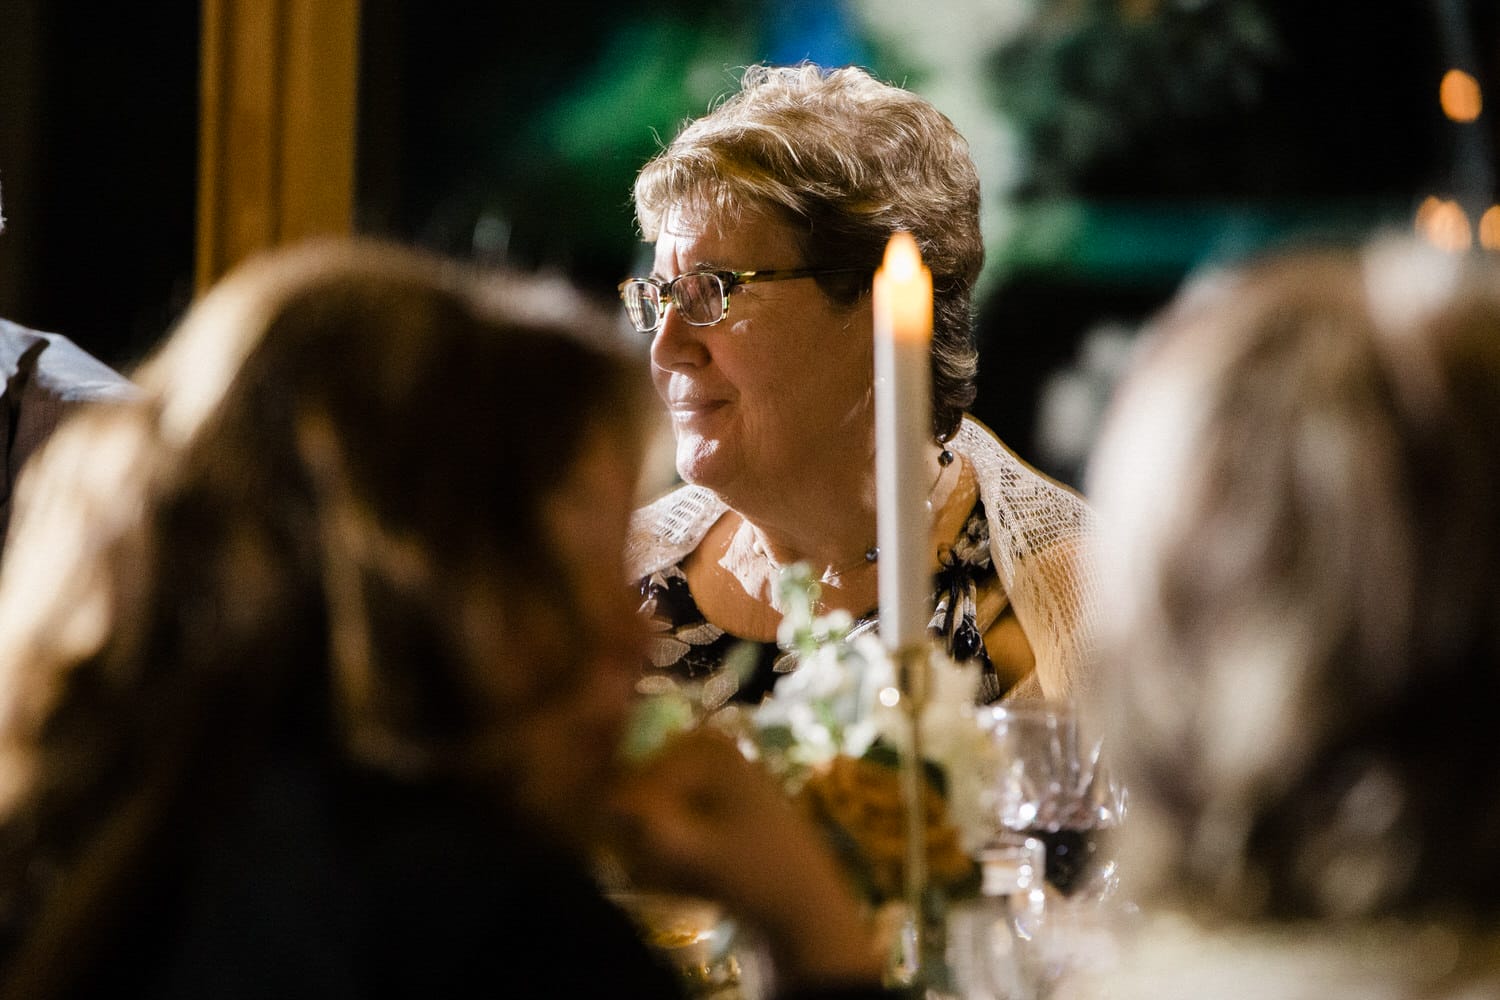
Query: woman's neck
[(824, 517), (736, 571), (829, 524)]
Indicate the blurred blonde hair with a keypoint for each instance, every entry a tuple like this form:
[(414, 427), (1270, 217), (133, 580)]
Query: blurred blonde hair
[(322, 526), (1299, 497)]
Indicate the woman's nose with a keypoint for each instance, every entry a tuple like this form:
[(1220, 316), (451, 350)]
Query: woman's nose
[(678, 344)]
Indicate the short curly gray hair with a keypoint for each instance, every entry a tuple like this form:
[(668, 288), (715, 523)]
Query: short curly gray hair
[(848, 160)]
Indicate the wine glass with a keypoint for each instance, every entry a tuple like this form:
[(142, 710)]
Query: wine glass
[(1046, 782), (1046, 778)]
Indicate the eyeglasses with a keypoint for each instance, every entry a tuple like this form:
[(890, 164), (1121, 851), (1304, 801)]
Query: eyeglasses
[(700, 297)]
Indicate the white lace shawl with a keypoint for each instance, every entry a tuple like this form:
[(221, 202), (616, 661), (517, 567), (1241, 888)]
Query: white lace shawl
[(1040, 532)]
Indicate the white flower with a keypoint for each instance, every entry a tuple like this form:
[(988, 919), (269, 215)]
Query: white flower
[(859, 737), (815, 742), (951, 738), (840, 700), (821, 677)]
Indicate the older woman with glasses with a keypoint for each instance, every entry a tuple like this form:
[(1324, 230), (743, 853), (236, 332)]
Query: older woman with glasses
[(769, 217)]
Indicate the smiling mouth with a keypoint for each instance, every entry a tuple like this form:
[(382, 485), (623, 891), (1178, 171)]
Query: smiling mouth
[(687, 408)]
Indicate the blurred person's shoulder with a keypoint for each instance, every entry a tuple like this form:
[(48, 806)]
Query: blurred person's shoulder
[(51, 366), (44, 377)]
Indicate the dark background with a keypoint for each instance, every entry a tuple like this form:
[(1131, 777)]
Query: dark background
[(98, 148), (1167, 137)]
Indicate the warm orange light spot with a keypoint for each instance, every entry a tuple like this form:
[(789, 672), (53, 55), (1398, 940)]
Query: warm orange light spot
[(1459, 95), (1429, 205), (1445, 225), (903, 291), (1489, 228)]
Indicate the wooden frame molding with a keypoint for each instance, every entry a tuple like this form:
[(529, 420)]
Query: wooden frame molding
[(277, 130)]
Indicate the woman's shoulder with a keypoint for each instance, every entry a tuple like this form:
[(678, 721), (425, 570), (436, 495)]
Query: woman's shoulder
[(1002, 472), (1040, 531), (1027, 506), (663, 531)]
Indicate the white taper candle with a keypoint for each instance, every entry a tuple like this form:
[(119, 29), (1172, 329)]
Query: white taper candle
[(902, 302)]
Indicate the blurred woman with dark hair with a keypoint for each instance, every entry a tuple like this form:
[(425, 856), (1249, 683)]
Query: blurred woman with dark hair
[(315, 660)]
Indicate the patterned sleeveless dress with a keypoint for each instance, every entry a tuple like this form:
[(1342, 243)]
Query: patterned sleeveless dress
[(685, 646), (1022, 552)]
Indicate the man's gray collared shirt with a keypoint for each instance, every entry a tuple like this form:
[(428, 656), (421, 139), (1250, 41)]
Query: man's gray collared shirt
[(43, 377)]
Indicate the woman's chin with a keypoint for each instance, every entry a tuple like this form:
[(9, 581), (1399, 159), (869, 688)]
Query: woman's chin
[(705, 463)]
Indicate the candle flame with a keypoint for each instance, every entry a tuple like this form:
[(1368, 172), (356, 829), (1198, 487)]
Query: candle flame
[(903, 291), (902, 258)]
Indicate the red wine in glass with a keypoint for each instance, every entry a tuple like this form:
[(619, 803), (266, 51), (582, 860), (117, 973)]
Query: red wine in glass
[(1070, 855)]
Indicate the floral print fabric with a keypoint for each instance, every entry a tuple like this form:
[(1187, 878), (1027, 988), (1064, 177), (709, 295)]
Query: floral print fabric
[(685, 646)]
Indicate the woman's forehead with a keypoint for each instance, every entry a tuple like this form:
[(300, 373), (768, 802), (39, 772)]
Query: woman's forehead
[(711, 229)]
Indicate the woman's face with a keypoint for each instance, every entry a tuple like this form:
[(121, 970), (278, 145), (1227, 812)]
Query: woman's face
[(778, 389)]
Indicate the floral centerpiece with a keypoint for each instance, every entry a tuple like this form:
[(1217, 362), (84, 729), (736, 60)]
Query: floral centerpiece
[(833, 732)]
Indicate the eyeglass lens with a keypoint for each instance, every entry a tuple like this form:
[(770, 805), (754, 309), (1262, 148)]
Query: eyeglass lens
[(698, 296), (643, 305)]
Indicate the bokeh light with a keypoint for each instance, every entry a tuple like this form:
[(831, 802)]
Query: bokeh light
[(1444, 224), (1460, 96), (1489, 228)]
